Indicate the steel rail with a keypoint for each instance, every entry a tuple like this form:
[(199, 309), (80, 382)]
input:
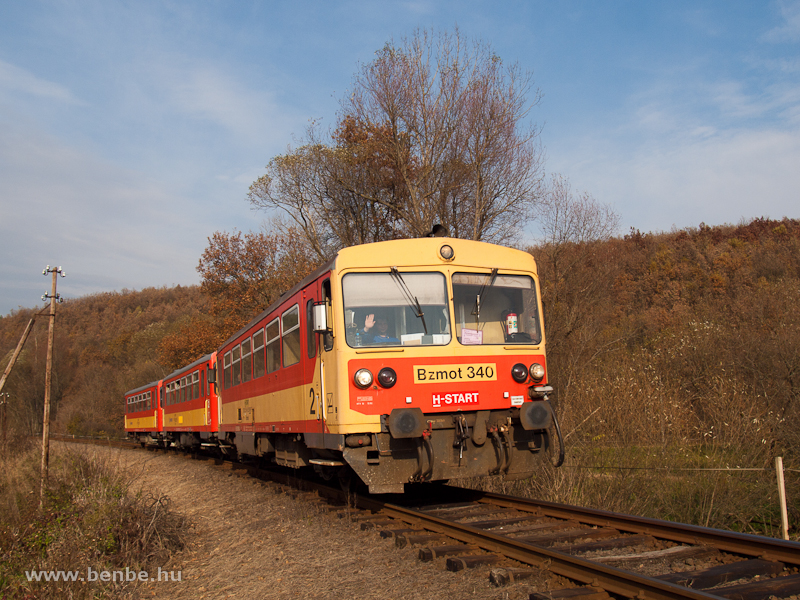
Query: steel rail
[(617, 581), (728, 541)]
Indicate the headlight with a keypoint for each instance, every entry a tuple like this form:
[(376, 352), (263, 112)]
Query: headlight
[(537, 372), (363, 378), (519, 373), (387, 377)]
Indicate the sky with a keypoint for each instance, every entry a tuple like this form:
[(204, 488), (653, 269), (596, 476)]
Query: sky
[(131, 131)]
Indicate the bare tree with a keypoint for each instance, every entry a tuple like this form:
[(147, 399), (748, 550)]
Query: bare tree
[(567, 220), (433, 131), (577, 275)]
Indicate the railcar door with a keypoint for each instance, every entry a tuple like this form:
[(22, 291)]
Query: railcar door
[(312, 367)]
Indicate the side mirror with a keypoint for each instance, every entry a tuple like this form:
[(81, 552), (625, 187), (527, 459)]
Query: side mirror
[(320, 317)]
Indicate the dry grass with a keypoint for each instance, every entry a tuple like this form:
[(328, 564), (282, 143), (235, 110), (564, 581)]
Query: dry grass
[(676, 483), (90, 519)]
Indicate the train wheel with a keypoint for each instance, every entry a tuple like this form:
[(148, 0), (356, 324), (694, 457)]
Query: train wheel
[(326, 473), (350, 483)]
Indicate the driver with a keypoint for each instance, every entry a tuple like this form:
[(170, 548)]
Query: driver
[(378, 328)]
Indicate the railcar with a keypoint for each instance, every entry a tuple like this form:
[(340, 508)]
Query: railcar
[(143, 415), (190, 405), (399, 361)]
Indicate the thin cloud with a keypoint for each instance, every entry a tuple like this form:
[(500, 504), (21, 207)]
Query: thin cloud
[(789, 30), (16, 79)]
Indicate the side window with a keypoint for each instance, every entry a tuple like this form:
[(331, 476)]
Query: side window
[(311, 337), (202, 383), (273, 346), (183, 389), (237, 365), (326, 295), (247, 363), (226, 362), (258, 354), (290, 324), (196, 385)]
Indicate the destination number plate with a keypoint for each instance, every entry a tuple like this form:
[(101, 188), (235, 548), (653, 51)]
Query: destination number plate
[(455, 373)]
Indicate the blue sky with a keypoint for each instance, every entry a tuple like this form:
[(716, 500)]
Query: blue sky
[(131, 131)]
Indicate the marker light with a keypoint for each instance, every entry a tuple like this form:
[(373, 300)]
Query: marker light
[(519, 373), (387, 377)]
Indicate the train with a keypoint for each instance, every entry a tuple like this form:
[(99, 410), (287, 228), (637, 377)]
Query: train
[(394, 363)]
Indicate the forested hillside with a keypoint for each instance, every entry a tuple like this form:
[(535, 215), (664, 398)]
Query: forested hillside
[(105, 344), (685, 336), (688, 335)]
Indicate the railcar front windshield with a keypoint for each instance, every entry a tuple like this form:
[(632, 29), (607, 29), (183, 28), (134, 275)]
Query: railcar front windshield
[(495, 309), (396, 309)]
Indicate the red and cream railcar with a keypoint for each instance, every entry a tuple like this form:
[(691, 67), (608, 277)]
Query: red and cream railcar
[(190, 405), (143, 416), (406, 360)]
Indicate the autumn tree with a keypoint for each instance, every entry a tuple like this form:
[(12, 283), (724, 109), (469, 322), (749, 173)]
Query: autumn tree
[(242, 274), (434, 130)]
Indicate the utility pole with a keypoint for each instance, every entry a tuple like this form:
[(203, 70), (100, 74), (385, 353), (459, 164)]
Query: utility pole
[(54, 297), (3, 422)]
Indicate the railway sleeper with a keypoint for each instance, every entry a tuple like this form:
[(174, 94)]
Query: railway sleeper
[(503, 577), (459, 563), (582, 593), (401, 541), (393, 533), (719, 575), (778, 587), (611, 544), (428, 554)]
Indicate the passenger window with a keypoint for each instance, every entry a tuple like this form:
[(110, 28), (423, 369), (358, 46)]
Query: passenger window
[(273, 346), (258, 354), (247, 365), (196, 385), (226, 362), (290, 321), (237, 365)]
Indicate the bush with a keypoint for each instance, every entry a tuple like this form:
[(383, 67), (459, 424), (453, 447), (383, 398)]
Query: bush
[(90, 519)]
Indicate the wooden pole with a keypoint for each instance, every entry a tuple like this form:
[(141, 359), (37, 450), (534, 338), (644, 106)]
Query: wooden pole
[(782, 496), (3, 422), (47, 383), (3, 396), (17, 352)]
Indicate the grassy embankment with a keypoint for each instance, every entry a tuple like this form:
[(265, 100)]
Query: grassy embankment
[(93, 518)]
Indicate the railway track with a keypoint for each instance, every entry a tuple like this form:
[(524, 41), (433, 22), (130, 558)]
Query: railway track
[(607, 554), (601, 554)]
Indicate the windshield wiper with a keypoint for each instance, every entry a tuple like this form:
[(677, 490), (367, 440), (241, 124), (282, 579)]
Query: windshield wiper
[(490, 281), (410, 298)]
